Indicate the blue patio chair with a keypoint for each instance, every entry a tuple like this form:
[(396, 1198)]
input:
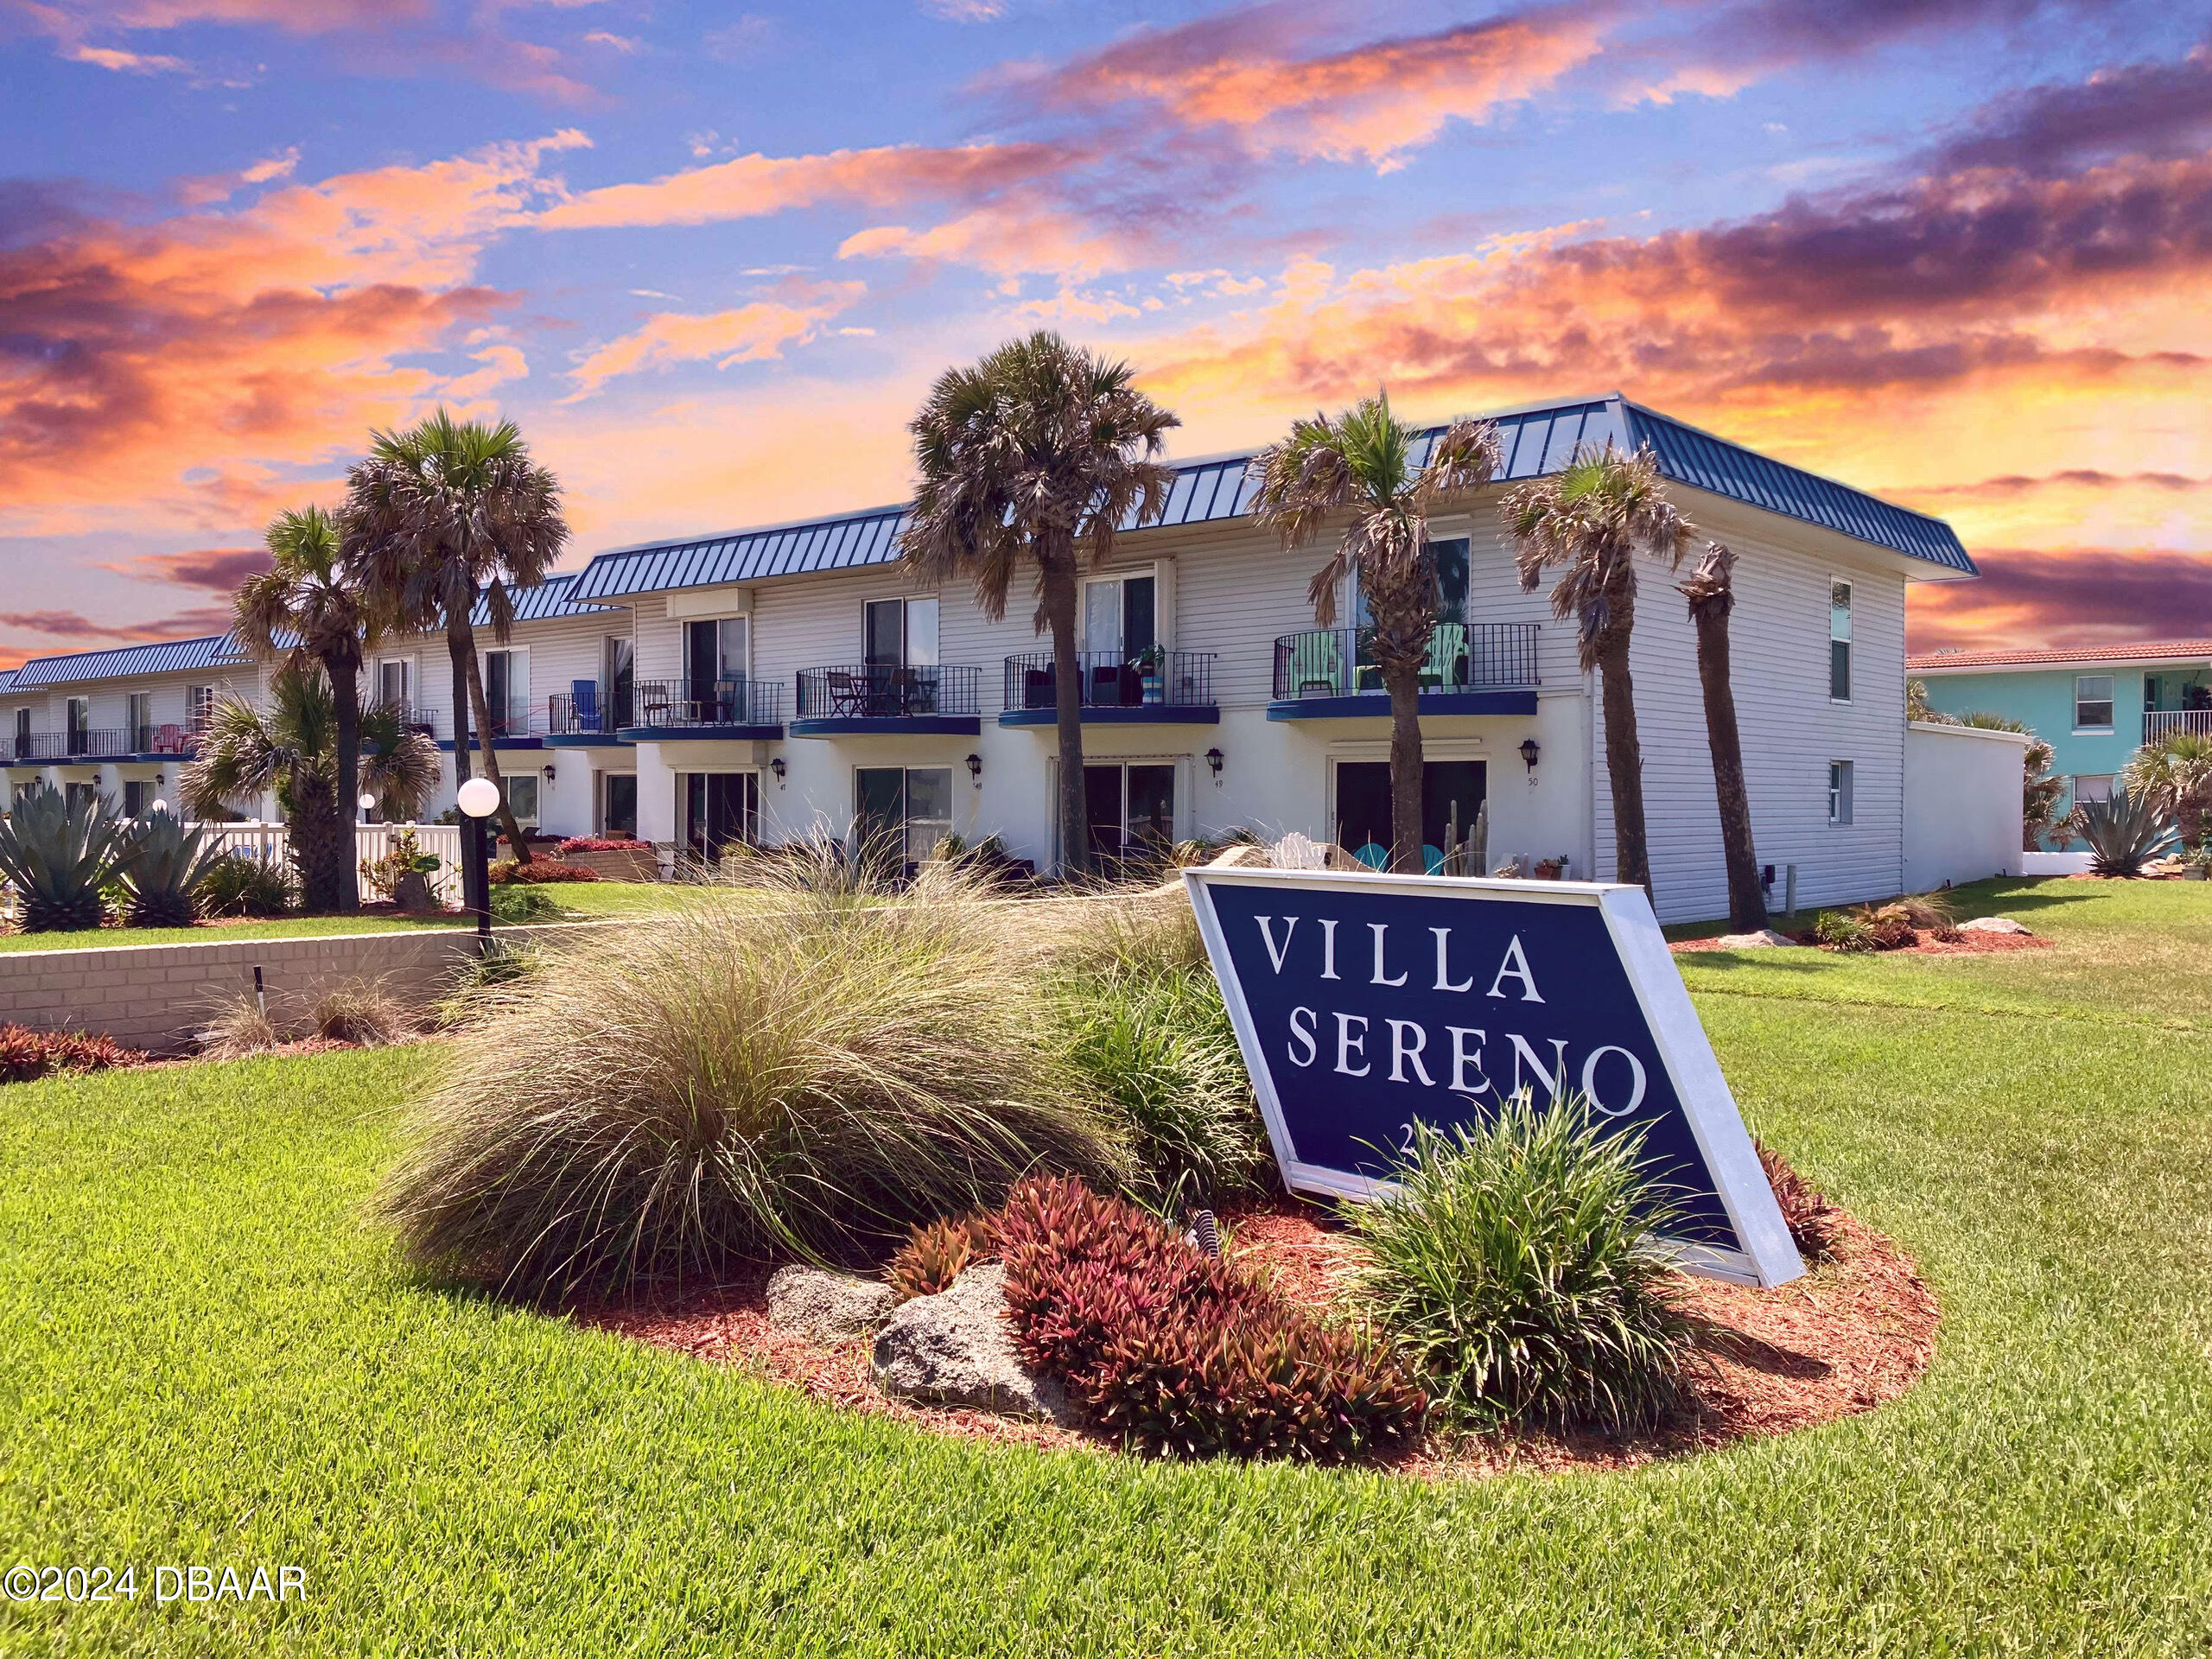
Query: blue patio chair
[(583, 697), (1432, 859), (1374, 856)]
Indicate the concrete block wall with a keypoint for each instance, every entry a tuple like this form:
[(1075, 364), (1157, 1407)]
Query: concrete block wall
[(156, 996)]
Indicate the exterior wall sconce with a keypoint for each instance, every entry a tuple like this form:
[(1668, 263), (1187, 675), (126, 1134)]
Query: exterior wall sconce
[(777, 766), (975, 770), (550, 770), (1529, 750), (1213, 759)]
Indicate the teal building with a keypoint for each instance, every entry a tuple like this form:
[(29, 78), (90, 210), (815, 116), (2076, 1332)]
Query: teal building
[(2095, 706)]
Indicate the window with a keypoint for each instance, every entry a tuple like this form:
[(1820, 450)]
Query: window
[(1131, 809), (618, 815), (522, 795), (1452, 794), (901, 633), (901, 812), (1840, 645), (1838, 791), (2091, 786), (618, 660), (719, 808), (1121, 616), (142, 724), (22, 745), (1451, 558), (137, 798), (395, 686), (198, 705), (506, 692), (717, 651), (2092, 702)]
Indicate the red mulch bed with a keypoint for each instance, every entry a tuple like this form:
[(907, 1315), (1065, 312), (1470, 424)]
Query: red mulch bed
[(1855, 1332)]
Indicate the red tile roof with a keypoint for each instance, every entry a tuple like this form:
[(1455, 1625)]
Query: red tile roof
[(2155, 650)]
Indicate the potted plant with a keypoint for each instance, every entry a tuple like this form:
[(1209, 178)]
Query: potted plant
[(1150, 663)]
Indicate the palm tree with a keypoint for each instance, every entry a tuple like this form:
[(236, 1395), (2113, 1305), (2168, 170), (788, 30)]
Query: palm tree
[(293, 750), (1711, 590), (1361, 463), (2175, 773), (309, 608), (1042, 449), (1592, 519), (438, 516)]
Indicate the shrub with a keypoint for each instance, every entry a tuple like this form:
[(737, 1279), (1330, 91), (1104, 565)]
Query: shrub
[(238, 884), (811, 1077), (1519, 1268), (516, 906), (1179, 1354), (1158, 1046), (603, 844), (361, 1012), (239, 1026), (1840, 930), (937, 1252), (169, 863), (60, 856), (539, 871), (1811, 1218), (28, 1055)]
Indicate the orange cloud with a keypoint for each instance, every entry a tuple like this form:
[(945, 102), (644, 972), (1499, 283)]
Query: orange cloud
[(747, 334), (180, 372), (751, 186)]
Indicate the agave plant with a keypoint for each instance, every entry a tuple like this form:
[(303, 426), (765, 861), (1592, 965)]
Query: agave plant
[(2124, 833), (170, 862), (58, 855)]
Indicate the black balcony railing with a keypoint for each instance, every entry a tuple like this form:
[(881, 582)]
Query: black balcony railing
[(412, 717), (1182, 679), (36, 746), (88, 745), (677, 703), (1462, 656), (591, 710), (874, 691)]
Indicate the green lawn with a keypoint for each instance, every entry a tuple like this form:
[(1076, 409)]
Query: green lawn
[(589, 899), (205, 1357)]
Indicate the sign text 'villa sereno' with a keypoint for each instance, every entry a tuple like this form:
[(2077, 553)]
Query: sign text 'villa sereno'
[(1364, 1002)]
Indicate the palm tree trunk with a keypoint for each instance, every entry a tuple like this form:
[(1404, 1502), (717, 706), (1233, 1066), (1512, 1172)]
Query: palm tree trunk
[(487, 734), (460, 646), (1746, 900), (345, 671), (1402, 681), (318, 845), (1623, 760), (1059, 596)]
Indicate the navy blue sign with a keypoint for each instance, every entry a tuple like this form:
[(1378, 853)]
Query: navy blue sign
[(1366, 1002)]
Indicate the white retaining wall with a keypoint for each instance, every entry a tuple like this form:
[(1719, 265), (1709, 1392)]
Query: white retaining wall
[(1962, 788), (156, 996)]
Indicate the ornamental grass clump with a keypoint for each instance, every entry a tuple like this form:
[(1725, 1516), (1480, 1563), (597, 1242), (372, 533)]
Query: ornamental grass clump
[(1518, 1268), (808, 1076), (1178, 1354)]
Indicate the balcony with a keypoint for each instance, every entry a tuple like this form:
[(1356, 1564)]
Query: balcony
[(158, 742), (704, 711), (1174, 688), (1473, 668), (516, 727), (590, 715), (865, 697), (2163, 723)]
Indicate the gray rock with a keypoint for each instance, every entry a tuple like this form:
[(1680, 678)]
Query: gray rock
[(1992, 925), (827, 1306), (957, 1348), (1765, 935)]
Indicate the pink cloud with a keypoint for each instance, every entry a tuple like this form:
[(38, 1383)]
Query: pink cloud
[(748, 333)]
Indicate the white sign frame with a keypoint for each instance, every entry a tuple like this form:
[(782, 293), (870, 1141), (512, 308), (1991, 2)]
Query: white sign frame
[(1769, 1257)]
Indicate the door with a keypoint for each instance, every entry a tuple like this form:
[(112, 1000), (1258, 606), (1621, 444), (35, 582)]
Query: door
[(506, 691), (620, 663), (79, 714), (1132, 811), (395, 682), (1453, 791), (900, 814), (714, 668), (142, 724), (900, 643), (22, 734), (619, 805), (719, 808)]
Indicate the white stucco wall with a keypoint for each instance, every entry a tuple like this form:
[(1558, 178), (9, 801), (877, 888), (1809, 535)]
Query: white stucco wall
[(1961, 804)]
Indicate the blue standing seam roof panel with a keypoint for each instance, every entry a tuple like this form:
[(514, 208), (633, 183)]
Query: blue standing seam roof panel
[(169, 656), (548, 601), (1534, 441)]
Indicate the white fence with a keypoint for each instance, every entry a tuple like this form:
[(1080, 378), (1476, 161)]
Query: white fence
[(371, 842)]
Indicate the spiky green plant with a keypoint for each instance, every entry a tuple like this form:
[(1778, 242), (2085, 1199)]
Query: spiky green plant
[(2124, 833), (1519, 1266), (58, 857), (170, 864)]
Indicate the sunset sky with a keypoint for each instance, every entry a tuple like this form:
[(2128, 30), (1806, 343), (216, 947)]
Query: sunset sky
[(1954, 251)]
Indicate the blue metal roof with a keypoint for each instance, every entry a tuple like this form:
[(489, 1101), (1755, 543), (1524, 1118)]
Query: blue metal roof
[(1538, 440), (7, 679), (549, 601), (169, 656)]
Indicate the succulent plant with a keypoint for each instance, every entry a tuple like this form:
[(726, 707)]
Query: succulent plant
[(2124, 833), (58, 856), (169, 863)]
